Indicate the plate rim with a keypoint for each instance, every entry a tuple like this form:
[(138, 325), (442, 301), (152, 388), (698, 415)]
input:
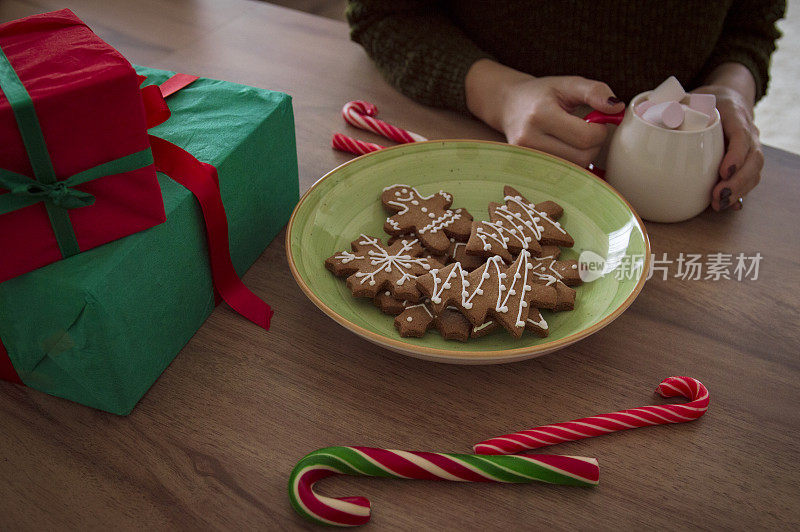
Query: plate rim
[(454, 355)]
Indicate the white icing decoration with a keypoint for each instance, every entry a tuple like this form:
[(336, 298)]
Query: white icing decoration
[(540, 270), (346, 256), (541, 323), (417, 306), (440, 223), (500, 234), (380, 257), (483, 326), (535, 215)]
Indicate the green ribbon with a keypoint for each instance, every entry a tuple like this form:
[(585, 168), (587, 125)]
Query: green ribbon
[(26, 191), (58, 196)]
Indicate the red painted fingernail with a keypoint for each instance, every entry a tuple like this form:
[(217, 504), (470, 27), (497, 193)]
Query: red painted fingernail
[(731, 170)]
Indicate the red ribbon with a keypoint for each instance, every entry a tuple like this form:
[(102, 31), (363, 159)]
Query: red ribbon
[(201, 180), (176, 83), (7, 371)]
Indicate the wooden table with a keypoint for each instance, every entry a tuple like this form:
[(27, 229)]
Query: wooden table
[(212, 444)]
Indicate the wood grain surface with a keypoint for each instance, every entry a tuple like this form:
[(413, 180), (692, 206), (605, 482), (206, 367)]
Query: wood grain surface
[(212, 444)]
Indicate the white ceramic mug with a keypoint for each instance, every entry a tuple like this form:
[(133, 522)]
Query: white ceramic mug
[(666, 174)]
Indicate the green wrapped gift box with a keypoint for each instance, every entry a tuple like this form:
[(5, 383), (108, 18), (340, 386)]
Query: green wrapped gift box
[(100, 327)]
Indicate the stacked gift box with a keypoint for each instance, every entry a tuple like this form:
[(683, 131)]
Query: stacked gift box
[(108, 265)]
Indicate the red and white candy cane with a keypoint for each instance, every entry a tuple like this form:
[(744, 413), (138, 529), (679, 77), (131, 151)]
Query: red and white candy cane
[(588, 427), (360, 114), (373, 462), (359, 147)]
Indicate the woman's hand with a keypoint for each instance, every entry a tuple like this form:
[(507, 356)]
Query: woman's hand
[(740, 170), (535, 112)]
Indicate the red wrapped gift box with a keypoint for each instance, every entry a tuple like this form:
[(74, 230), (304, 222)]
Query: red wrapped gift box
[(89, 108)]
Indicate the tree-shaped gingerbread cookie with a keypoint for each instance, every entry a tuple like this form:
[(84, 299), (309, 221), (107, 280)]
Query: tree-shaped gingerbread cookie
[(518, 224), (493, 291)]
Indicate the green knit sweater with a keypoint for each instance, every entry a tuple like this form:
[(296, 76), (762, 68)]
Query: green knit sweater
[(425, 47)]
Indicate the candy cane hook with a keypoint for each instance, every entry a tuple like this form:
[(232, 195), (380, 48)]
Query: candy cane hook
[(588, 427), (360, 114), (348, 144), (372, 462)]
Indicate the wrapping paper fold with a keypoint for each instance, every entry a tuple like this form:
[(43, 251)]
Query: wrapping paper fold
[(100, 327)]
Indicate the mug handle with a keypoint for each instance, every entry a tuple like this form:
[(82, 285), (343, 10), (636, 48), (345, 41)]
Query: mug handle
[(596, 117)]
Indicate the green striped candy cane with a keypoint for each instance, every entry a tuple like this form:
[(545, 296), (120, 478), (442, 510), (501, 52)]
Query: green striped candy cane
[(373, 462)]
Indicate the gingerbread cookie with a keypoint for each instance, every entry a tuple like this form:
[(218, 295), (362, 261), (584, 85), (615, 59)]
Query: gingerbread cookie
[(389, 304), (516, 225), (565, 297), (484, 328), (372, 267), (428, 217), (453, 284), (415, 320), (535, 323), (452, 325), (542, 226), (491, 238), (550, 252), (504, 293), (560, 274), (457, 252), (548, 266)]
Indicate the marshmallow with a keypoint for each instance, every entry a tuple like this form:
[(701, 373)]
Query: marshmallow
[(693, 120), (667, 114), (641, 107), (670, 90), (705, 103)]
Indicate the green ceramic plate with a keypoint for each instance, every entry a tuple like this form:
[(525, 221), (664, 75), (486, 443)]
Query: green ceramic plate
[(344, 203)]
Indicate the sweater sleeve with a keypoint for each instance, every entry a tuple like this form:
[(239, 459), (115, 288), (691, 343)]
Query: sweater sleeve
[(416, 47), (748, 37)]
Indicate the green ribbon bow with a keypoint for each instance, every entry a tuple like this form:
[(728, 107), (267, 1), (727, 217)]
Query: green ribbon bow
[(57, 195), (26, 191)]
